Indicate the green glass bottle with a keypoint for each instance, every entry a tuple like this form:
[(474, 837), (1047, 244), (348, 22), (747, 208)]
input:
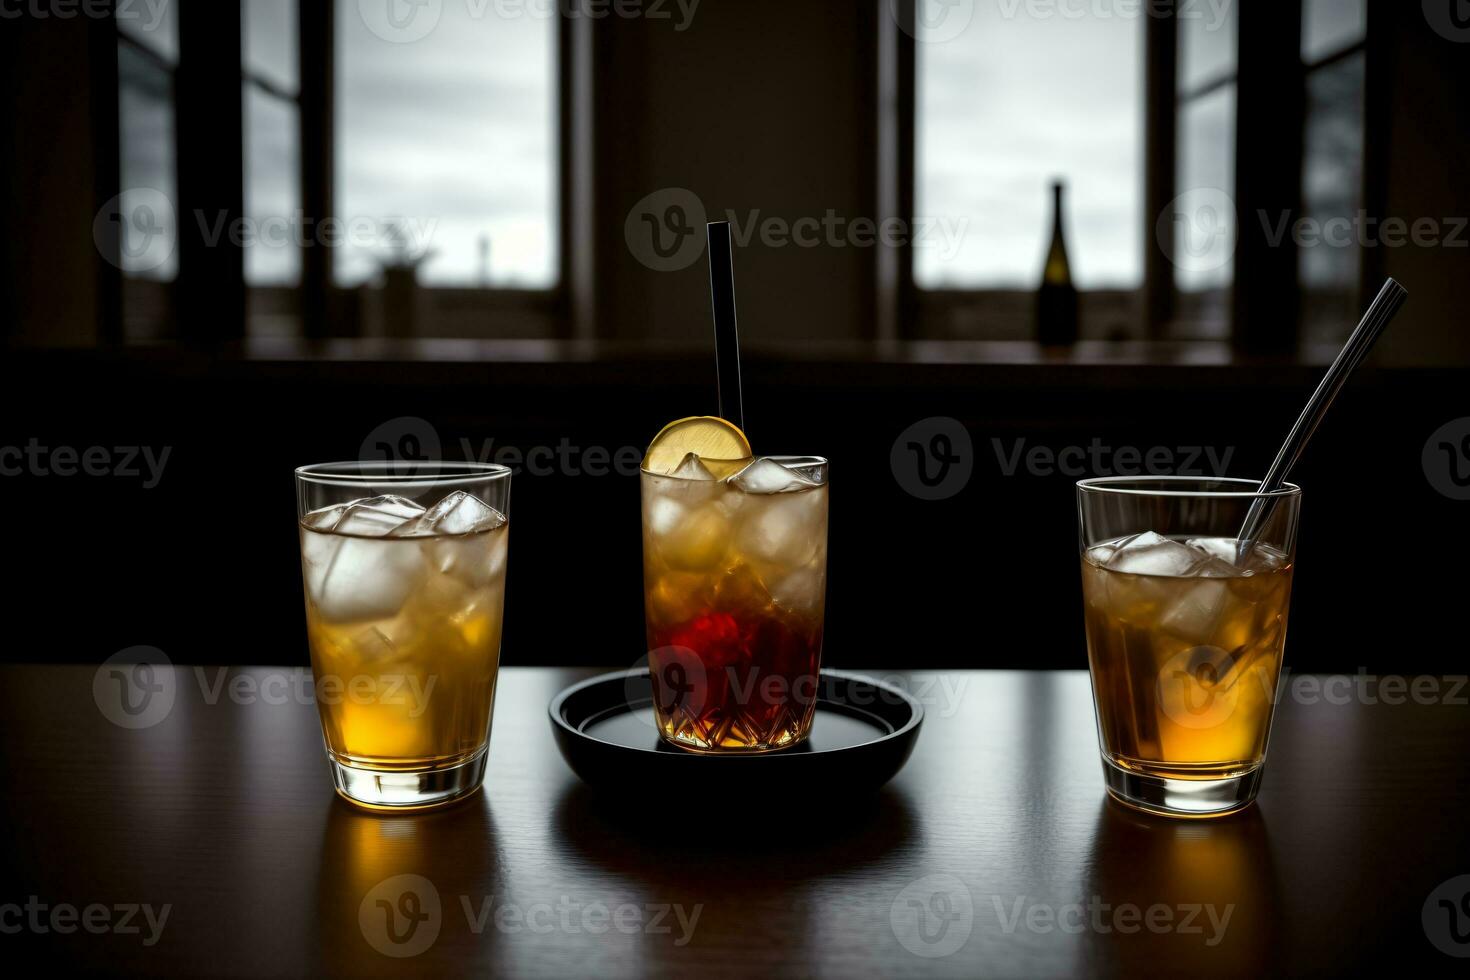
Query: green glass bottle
[(1056, 300)]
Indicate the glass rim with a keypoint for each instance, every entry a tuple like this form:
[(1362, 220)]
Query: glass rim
[(784, 460), (1248, 488), (415, 473)]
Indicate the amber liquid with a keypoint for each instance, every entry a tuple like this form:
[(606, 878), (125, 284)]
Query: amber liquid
[(1184, 668), (410, 685), (734, 595)]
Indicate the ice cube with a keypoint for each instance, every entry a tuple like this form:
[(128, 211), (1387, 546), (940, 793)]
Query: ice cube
[(474, 560), (458, 513), (1153, 554), (364, 578), (693, 538), (325, 518), (741, 588), (785, 529), (1195, 610), (383, 642), (664, 515), (677, 597), (692, 468), (1221, 548), (377, 517), (765, 475), (1212, 567), (1261, 558), (800, 591), (317, 554), (1264, 558)]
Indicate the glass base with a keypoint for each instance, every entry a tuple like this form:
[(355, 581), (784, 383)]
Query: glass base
[(1181, 797), (756, 748), (381, 789)]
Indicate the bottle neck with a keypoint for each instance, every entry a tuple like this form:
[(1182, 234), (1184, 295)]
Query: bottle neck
[(1058, 269)]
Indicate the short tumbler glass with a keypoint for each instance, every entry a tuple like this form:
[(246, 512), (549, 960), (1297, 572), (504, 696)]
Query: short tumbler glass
[(1185, 633), (404, 574)]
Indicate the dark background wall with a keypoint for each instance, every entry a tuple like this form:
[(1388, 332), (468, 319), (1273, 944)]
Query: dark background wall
[(204, 565), (764, 108)]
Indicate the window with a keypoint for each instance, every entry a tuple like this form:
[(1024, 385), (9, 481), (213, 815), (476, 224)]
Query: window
[(1030, 92), (447, 172), (147, 56), (1330, 69), (1204, 174), (272, 121), (1014, 101), (1333, 33)]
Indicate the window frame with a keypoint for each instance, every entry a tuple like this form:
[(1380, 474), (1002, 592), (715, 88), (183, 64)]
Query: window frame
[(251, 79), (209, 157), (115, 285), (1272, 175), (552, 309)]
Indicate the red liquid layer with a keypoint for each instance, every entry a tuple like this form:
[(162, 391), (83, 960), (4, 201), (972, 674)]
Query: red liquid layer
[(729, 679)]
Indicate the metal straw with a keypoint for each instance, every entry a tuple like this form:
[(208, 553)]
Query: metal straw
[(1388, 302)]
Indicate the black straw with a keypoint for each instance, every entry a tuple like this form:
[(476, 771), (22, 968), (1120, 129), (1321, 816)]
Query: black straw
[(727, 337)]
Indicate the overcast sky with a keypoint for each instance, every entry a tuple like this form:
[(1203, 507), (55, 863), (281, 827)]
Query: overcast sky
[(453, 131), (1011, 102)]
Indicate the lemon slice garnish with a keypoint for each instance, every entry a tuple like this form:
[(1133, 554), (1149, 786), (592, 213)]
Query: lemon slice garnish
[(719, 443)]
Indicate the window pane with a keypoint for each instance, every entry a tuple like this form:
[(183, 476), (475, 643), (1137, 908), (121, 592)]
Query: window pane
[(1332, 180), (450, 138), (146, 213), (1204, 216), (272, 190), (1005, 107), (146, 125), (270, 41), (1329, 26), (153, 25), (1207, 44)]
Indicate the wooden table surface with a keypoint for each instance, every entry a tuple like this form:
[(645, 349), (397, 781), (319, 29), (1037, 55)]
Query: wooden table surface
[(994, 853)]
